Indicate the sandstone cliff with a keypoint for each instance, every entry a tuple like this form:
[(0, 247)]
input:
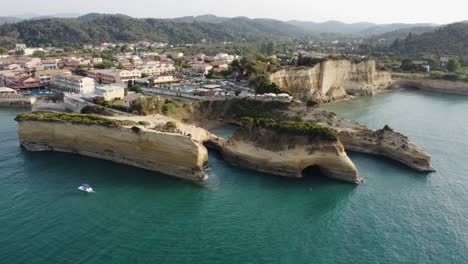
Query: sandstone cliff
[(331, 80), (442, 86), (170, 153), (383, 142), (287, 155)]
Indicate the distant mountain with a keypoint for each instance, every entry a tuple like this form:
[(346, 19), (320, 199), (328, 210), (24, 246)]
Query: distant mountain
[(390, 37), (9, 20), (386, 28), (98, 28), (451, 39), (18, 18), (358, 29), (203, 18), (332, 26)]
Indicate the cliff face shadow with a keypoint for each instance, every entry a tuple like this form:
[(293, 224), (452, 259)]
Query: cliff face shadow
[(91, 170), (314, 172)]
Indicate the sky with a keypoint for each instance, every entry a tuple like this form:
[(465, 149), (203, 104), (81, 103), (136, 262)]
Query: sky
[(377, 11)]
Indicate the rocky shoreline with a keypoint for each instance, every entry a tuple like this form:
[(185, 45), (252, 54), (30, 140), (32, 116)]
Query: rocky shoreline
[(383, 142), (433, 85)]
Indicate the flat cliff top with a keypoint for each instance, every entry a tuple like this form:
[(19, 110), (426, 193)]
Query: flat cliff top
[(155, 123), (197, 133), (59, 117), (291, 128)]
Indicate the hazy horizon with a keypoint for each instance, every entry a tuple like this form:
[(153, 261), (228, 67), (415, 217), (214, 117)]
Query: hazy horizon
[(333, 10)]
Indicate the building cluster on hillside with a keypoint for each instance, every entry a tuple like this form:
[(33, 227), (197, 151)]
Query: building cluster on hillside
[(170, 72)]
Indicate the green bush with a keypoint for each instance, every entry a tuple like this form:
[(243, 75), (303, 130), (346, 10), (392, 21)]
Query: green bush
[(311, 130), (82, 119), (170, 125), (99, 110), (144, 123), (169, 108)]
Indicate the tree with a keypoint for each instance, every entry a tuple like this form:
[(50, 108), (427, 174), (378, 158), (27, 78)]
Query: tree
[(39, 54), (453, 65), (408, 65), (136, 89), (106, 64), (212, 74), (120, 66), (263, 85), (3, 50), (267, 48)]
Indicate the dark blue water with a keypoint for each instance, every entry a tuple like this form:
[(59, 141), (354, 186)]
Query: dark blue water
[(239, 216)]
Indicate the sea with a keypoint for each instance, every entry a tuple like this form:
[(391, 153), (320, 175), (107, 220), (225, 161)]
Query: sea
[(239, 216)]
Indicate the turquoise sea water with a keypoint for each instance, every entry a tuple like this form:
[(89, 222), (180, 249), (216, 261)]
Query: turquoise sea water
[(239, 216)]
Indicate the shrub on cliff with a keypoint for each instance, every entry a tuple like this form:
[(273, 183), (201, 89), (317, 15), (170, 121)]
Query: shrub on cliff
[(99, 110), (170, 125), (144, 123), (81, 119), (238, 108), (311, 130)]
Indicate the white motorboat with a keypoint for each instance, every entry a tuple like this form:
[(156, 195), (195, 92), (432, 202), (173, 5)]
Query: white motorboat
[(85, 188)]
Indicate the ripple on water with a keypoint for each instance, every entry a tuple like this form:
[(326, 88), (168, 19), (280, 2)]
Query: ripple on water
[(240, 216)]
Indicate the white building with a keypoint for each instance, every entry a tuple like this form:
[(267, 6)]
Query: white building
[(224, 56), (7, 91), (97, 60), (45, 77), (157, 69), (50, 64), (74, 83), (114, 76), (110, 92), (197, 69)]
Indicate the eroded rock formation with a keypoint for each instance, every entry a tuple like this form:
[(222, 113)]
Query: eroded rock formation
[(383, 142), (287, 155), (173, 154), (331, 80)]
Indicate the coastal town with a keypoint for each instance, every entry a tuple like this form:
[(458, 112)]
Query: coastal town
[(123, 78)]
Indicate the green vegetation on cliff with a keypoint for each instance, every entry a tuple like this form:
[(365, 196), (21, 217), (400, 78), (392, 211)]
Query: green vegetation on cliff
[(81, 119), (311, 130), (238, 108)]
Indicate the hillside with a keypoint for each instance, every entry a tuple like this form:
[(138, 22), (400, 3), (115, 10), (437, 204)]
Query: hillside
[(446, 40), (397, 27), (98, 28), (8, 20), (391, 36), (332, 26)]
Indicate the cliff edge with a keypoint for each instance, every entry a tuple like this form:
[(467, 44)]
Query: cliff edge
[(331, 80)]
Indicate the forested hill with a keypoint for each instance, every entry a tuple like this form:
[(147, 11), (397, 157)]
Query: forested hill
[(447, 40), (98, 28)]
